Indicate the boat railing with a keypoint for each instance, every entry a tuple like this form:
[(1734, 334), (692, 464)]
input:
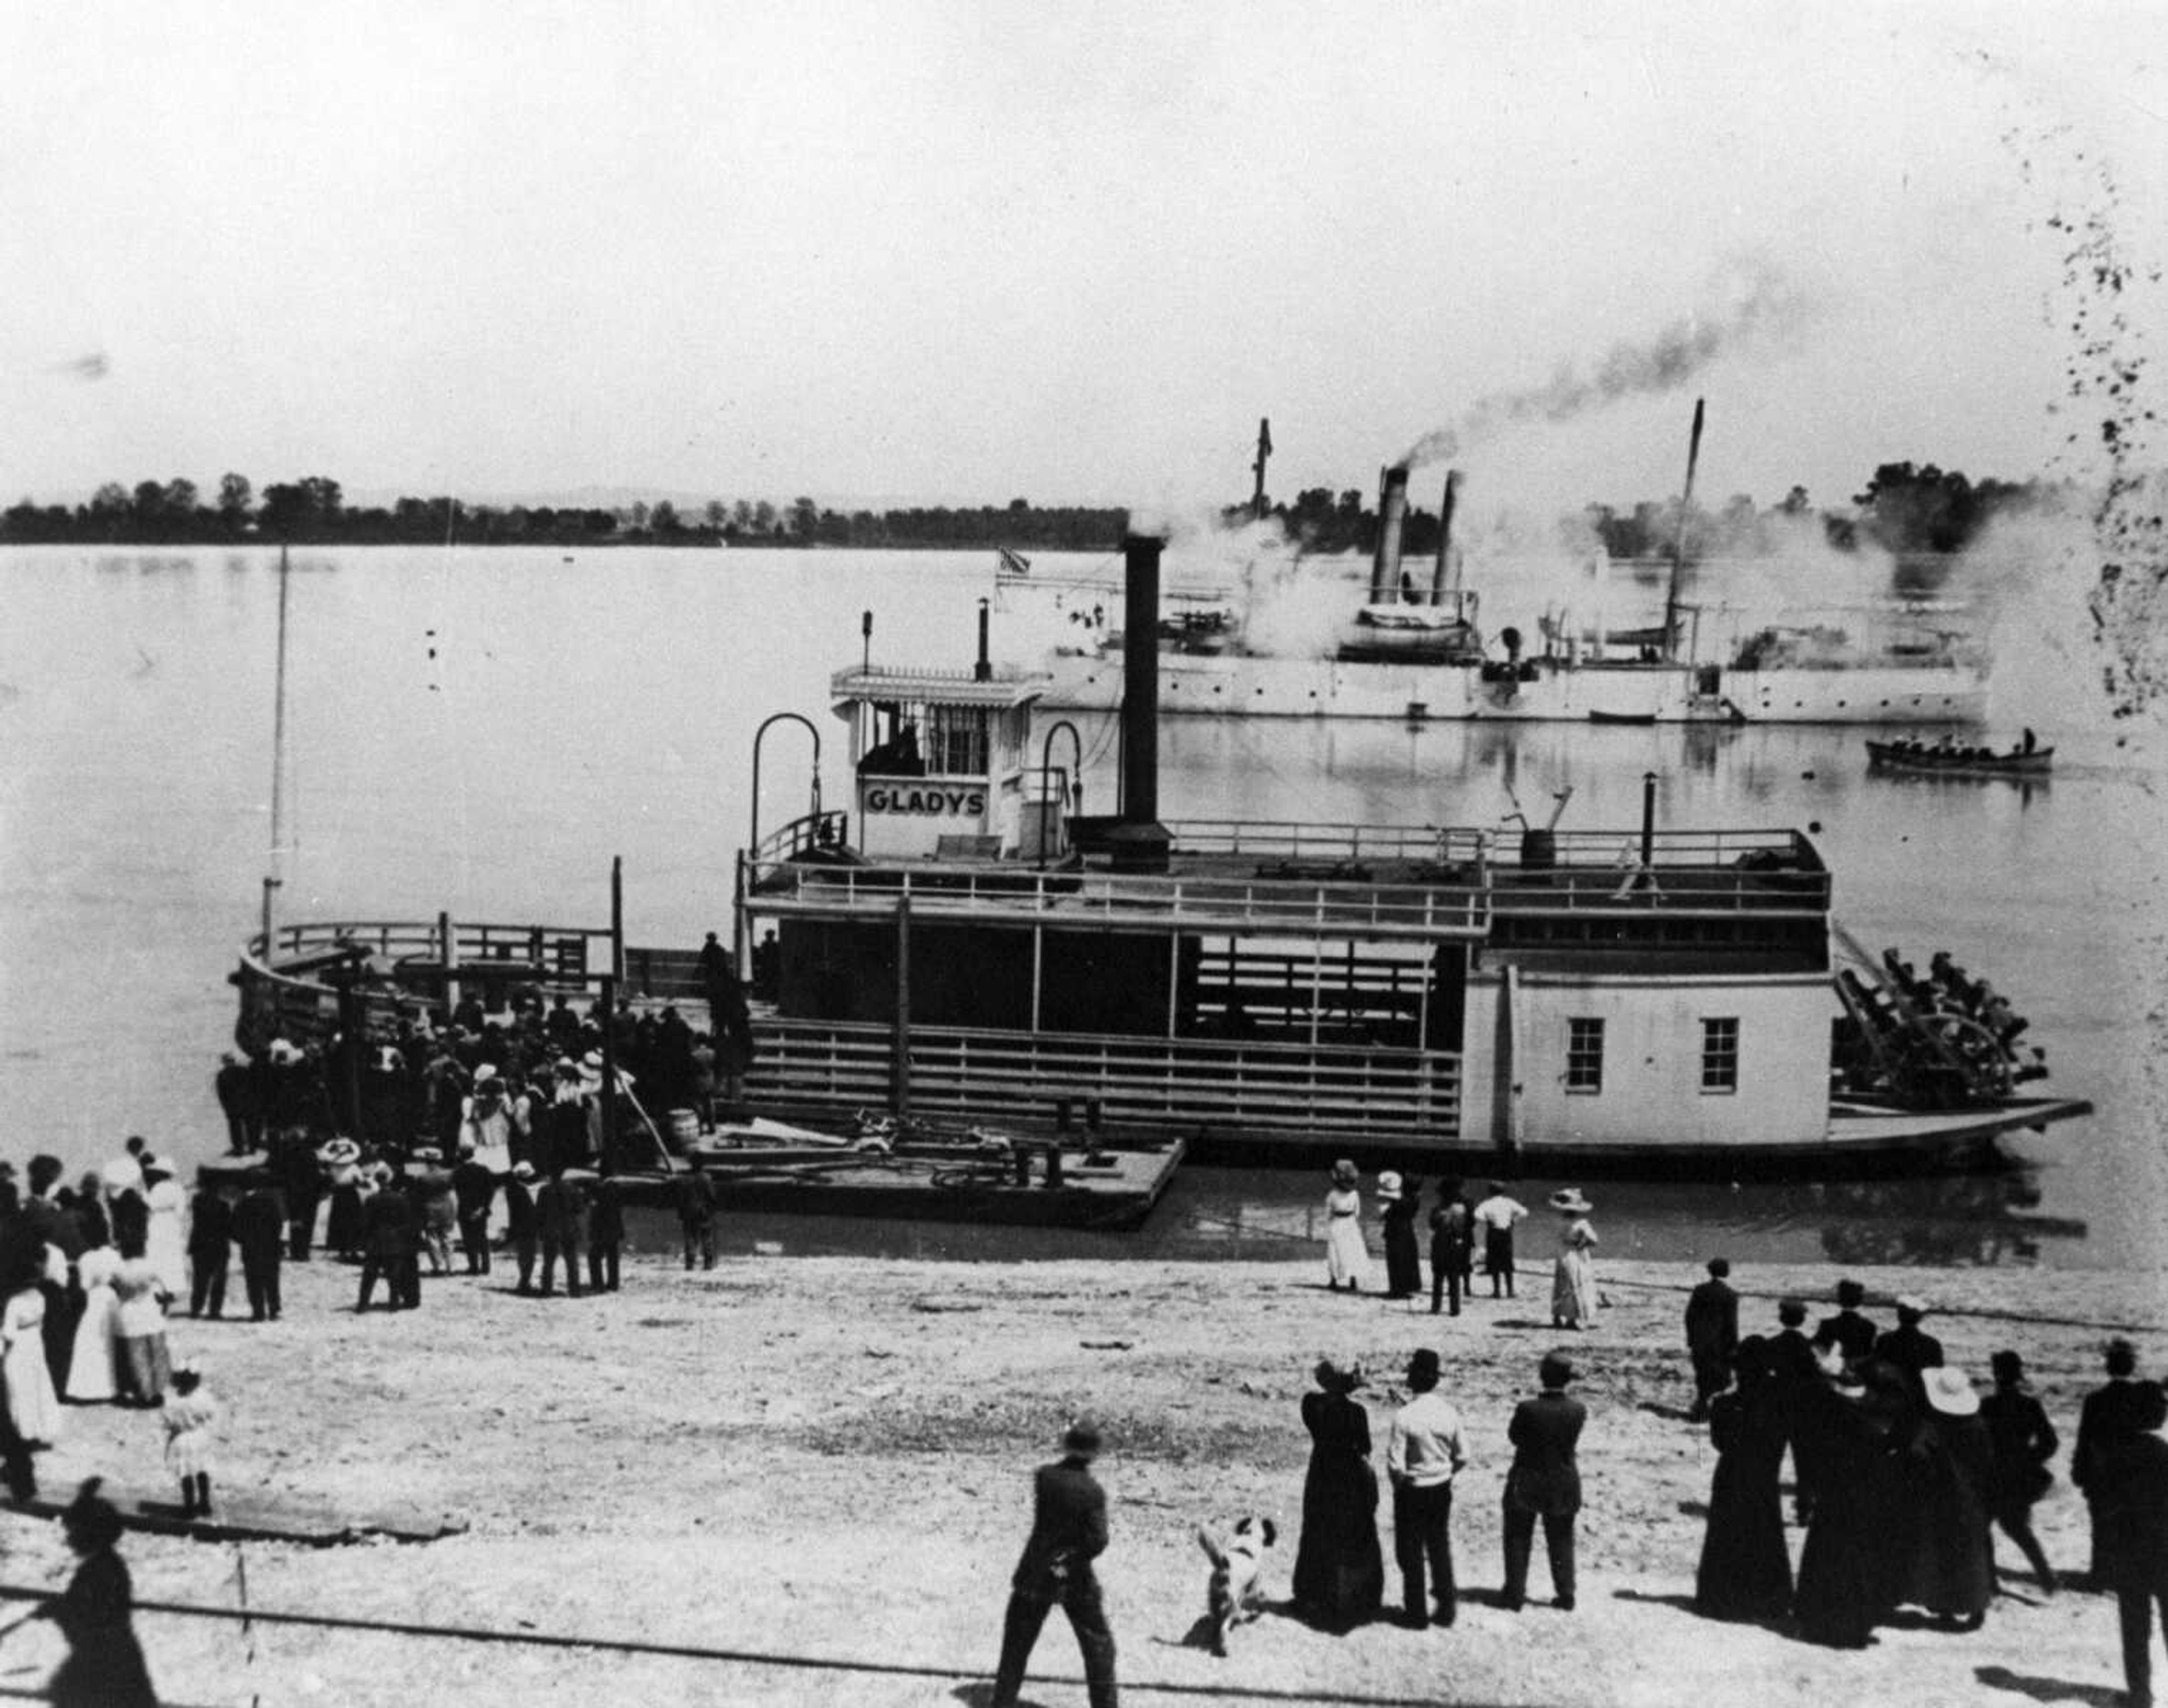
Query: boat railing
[(1014, 894), (567, 948), (1287, 840), (830, 829), (1766, 850), (1192, 1084)]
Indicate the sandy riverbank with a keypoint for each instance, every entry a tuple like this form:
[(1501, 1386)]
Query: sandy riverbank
[(830, 1458)]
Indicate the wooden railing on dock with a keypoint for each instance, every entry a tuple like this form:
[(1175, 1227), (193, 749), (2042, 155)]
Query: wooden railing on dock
[(1184, 1085)]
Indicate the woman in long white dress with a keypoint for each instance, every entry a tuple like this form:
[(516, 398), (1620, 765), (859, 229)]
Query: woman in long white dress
[(1345, 1257), (165, 1245), (90, 1368), (32, 1405), (1573, 1277)]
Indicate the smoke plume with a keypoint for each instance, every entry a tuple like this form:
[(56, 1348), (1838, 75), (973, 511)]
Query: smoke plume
[(90, 367), (1760, 307)]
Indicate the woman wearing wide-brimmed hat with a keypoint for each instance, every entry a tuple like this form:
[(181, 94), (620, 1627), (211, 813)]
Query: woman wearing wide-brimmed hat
[(1952, 1462), (1339, 1567), (1573, 1277), (1345, 1259)]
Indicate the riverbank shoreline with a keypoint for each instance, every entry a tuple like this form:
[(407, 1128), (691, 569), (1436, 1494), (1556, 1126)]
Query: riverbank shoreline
[(825, 1461)]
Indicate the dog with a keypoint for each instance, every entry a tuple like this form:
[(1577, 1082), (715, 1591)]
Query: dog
[(1236, 1593)]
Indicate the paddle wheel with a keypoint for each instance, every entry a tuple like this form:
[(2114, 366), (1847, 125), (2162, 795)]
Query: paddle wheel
[(1942, 1040)]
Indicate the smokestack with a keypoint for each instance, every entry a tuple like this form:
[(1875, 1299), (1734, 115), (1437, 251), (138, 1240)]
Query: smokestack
[(1392, 511), (983, 670), (1445, 579), (1140, 842), (1679, 551)]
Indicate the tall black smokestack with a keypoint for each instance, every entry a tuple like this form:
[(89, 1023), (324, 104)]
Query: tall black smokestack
[(1392, 511), (983, 670), (1140, 842), (1444, 580)]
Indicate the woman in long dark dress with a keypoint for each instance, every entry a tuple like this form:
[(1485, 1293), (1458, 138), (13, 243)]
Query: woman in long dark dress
[(1845, 1568), (1952, 1567), (1403, 1256), (1339, 1568), (105, 1668), (1745, 1572)]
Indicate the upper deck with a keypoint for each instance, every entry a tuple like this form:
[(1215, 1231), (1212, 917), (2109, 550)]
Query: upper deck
[(1303, 880)]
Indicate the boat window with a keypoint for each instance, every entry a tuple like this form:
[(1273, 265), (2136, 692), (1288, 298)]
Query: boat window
[(1584, 1056), (1719, 1055), (955, 740)]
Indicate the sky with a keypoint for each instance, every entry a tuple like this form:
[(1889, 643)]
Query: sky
[(965, 253)]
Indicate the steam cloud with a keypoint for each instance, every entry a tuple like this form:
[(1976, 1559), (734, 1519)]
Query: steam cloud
[(1765, 308), (90, 367)]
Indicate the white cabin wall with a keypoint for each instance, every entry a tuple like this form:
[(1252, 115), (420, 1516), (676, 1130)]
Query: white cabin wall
[(1652, 1062)]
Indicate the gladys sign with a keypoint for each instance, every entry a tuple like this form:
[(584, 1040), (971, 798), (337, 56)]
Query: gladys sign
[(931, 800)]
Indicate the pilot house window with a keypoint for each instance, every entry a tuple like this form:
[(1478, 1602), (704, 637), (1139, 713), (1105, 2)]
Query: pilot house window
[(1584, 1056), (1719, 1055), (956, 740)]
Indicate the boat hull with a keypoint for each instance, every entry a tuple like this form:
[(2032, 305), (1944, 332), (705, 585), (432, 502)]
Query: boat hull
[(2033, 766), (1235, 685)]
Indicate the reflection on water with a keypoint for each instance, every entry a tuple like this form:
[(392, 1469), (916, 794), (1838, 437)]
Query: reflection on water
[(1270, 1215)]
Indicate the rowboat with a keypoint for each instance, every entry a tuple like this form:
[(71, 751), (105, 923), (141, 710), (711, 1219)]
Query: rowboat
[(1958, 762)]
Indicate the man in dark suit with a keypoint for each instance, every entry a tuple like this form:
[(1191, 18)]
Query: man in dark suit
[(259, 1229), (696, 1216), (473, 1189), (1712, 1335), (387, 1243), (2106, 1422), (557, 1208), (1068, 1532), (210, 1249), (605, 1236), (1909, 1346), (1852, 1335), (1795, 1377), (2128, 1488), (1544, 1482)]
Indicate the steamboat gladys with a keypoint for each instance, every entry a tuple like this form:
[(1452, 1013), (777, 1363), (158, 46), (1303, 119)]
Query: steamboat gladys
[(955, 948)]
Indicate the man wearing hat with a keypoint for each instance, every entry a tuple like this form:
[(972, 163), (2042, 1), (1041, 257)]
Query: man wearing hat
[(1544, 1482), (2106, 1422), (1068, 1533), (1909, 1346), (1426, 1451), (1403, 1263), (2023, 1442), (259, 1229), (2129, 1490), (1712, 1335), (1852, 1335), (1451, 1247)]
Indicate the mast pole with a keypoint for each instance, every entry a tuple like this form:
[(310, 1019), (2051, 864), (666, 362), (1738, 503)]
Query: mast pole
[(271, 877), (1679, 549)]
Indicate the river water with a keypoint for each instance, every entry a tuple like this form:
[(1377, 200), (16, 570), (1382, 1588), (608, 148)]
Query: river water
[(481, 731)]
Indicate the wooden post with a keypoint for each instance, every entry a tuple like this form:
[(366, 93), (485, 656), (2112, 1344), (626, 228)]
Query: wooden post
[(609, 1075), (351, 1009), (447, 957), (900, 1066), (617, 916)]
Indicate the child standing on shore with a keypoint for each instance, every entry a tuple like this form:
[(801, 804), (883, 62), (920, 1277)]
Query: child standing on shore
[(190, 1416)]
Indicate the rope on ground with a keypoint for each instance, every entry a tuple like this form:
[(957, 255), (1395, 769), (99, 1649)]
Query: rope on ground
[(1983, 1312), (698, 1651)]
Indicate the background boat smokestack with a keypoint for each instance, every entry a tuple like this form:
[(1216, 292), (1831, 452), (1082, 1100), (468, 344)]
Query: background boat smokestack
[(1140, 842), (1445, 579), (983, 670), (1679, 549), (1392, 512)]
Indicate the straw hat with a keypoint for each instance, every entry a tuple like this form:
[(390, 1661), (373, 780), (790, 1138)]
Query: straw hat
[(1389, 1186), (1568, 1199), (1950, 1391), (339, 1152)]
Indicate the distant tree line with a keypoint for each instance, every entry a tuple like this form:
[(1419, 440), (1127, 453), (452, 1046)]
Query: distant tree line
[(314, 511), (1905, 509)]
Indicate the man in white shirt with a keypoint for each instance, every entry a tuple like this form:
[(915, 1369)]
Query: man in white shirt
[(1495, 1216), (1426, 1451)]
